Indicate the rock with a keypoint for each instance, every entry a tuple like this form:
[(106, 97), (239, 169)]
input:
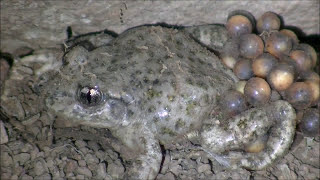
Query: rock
[(46, 119), (43, 177), (22, 158), (27, 148), (34, 130), (14, 108), (26, 177), (14, 177), (80, 144), (3, 134), (84, 150), (93, 145), (82, 163), (100, 154), (23, 51), (231, 174), (188, 164), (167, 176), (89, 158), (34, 152), (175, 168), (80, 176), (6, 159), (15, 145), (40, 167), (5, 175), (84, 171), (70, 176), (166, 162), (115, 171), (4, 69), (101, 171), (50, 163), (308, 153), (203, 168), (285, 173), (70, 166), (31, 120)]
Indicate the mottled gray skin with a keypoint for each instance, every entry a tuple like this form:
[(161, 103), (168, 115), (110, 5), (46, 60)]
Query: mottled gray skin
[(157, 86)]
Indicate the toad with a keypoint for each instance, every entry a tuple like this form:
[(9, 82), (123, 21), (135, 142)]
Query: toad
[(152, 86)]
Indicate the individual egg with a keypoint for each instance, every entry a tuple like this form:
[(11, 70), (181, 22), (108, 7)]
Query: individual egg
[(309, 124), (290, 34), (228, 60), (269, 21), (309, 75), (309, 50), (243, 69), (257, 146), (238, 25), (240, 86), (233, 102), (299, 95), (315, 90), (302, 59), (257, 91), (262, 65), (250, 45), (281, 77), (290, 62), (278, 44), (244, 13)]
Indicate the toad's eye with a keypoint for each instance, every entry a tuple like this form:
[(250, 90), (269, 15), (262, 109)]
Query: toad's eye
[(89, 96)]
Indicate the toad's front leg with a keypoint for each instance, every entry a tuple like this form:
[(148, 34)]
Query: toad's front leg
[(276, 120), (142, 152)]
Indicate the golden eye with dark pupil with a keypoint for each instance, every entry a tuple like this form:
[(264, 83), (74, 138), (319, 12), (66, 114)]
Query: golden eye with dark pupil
[(89, 96)]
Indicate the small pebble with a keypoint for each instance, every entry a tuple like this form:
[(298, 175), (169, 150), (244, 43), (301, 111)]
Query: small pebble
[(204, 167), (175, 168), (101, 171), (89, 158), (22, 158), (115, 171), (43, 177), (166, 163), (6, 159), (80, 144), (39, 168), (14, 177), (3, 133), (70, 166), (80, 177), (82, 163), (84, 171), (167, 176), (26, 177)]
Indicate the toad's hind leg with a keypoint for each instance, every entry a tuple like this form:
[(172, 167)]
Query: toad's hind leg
[(279, 141)]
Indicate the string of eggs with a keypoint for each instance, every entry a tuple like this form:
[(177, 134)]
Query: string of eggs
[(271, 65)]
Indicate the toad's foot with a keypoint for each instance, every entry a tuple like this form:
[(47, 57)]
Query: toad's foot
[(278, 123)]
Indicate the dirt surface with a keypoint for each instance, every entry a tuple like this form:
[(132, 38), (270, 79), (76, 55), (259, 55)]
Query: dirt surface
[(37, 149)]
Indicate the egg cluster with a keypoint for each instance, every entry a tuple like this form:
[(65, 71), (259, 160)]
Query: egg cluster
[(272, 65)]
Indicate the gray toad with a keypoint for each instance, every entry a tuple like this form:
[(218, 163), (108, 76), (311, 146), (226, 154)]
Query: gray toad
[(153, 85)]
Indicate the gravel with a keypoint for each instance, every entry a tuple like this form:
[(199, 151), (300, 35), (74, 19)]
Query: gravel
[(29, 146)]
